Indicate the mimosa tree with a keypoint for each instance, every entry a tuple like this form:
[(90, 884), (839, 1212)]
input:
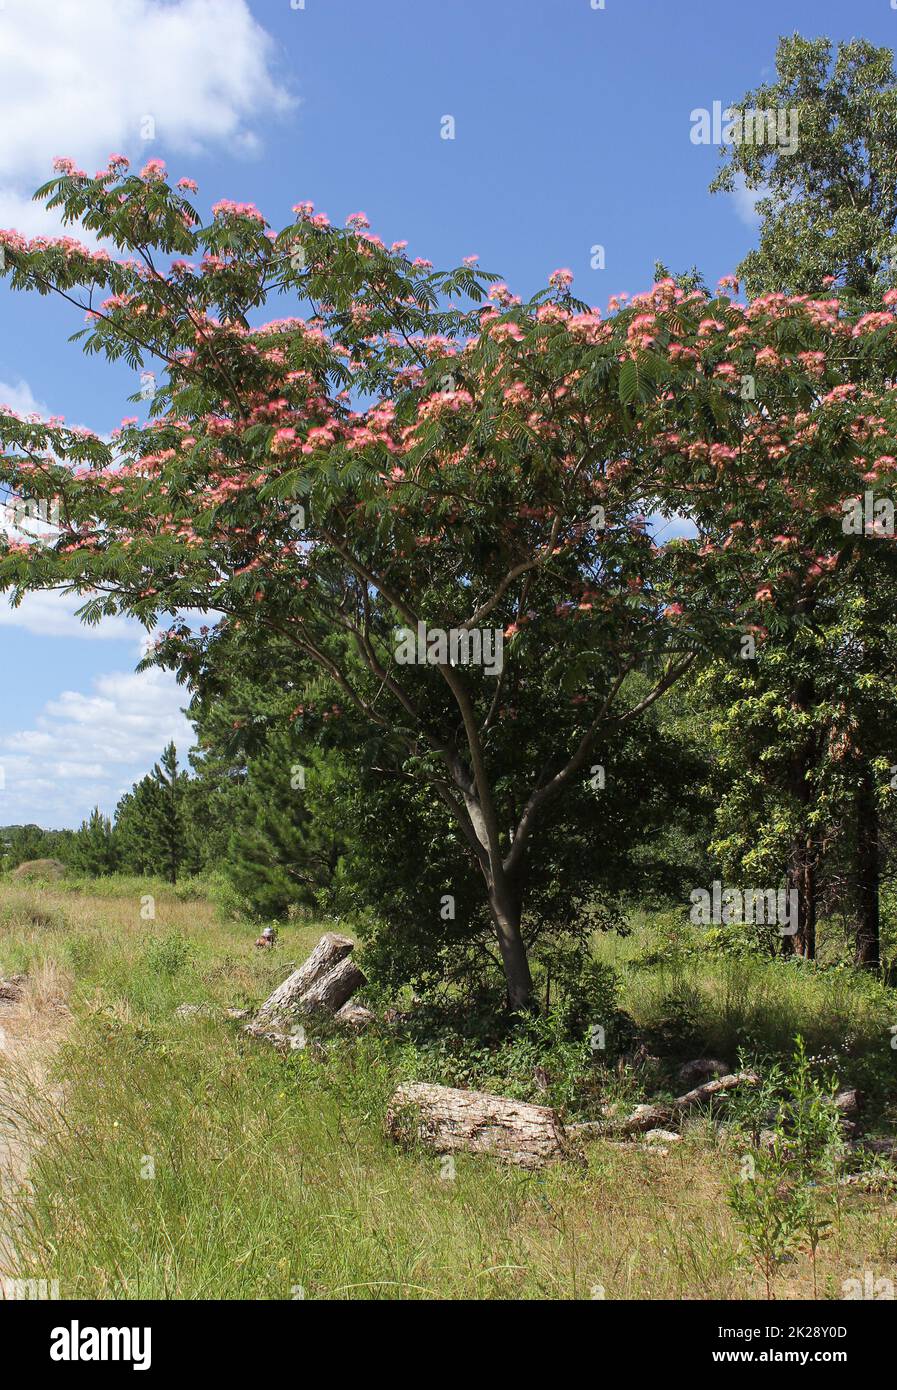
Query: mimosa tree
[(419, 452)]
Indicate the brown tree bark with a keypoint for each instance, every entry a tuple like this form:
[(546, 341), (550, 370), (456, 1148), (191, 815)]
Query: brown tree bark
[(802, 879), (446, 1120), (505, 906), (355, 1016), (868, 872), (331, 991), (802, 862)]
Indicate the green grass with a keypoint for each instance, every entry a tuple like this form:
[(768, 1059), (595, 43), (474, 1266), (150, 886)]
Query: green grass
[(272, 1177)]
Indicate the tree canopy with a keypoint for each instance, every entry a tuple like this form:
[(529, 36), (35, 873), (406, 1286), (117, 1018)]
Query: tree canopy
[(423, 451)]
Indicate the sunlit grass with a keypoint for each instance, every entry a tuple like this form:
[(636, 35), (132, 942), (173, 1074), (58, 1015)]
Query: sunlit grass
[(185, 1160)]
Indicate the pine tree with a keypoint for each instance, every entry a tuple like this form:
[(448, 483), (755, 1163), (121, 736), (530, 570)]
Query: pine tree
[(134, 817), (166, 830), (150, 822), (93, 847), (276, 856)]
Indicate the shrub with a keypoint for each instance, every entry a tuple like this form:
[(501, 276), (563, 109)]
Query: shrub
[(168, 955)]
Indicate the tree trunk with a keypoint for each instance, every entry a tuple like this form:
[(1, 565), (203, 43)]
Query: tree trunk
[(506, 914), (802, 862), (283, 1003), (802, 880), (868, 872), (445, 1120)]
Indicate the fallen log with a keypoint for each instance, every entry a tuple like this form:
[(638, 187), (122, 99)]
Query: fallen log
[(713, 1088), (869, 1182), (646, 1117), (701, 1069), (643, 1118), (281, 1006), (446, 1120), (196, 1011)]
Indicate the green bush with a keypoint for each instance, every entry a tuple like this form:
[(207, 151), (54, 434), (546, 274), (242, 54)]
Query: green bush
[(168, 955)]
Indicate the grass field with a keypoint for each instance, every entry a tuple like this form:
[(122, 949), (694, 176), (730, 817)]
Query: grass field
[(183, 1160)]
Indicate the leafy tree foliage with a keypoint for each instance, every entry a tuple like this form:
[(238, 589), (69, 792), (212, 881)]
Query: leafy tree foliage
[(805, 743), (829, 209), (19, 843), (395, 460)]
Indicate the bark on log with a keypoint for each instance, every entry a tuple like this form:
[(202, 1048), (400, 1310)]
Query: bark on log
[(645, 1117), (331, 991), (848, 1104), (701, 1069), (713, 1088), (446, 1120), (587, 1129), (281, 1006), (354, 1015)]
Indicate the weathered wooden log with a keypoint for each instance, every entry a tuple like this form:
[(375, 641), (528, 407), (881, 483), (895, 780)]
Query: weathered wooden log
[(700, 1094), (446, 1120), (282, 1004), (643, 1118), (848, 1104), (869, 1182), (284, 1042), (331, 991), (701, 1069), (354, 1015), (196, 1011), (646, 1117), (587, 1129)]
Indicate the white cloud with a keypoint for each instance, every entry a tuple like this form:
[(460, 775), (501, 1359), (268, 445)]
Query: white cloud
[(88, 74), (87, 79), (85, 749), (19, 397), (49, 613), (745, 201), (19, 212)]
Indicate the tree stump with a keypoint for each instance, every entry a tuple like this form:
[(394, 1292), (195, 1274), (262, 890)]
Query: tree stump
[(446, 1120), (331, 991), (282, 1005)]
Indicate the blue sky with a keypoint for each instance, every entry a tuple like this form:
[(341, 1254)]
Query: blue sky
[(572, 129)]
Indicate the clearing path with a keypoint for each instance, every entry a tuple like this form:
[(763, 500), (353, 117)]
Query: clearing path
[(32, 1020)]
